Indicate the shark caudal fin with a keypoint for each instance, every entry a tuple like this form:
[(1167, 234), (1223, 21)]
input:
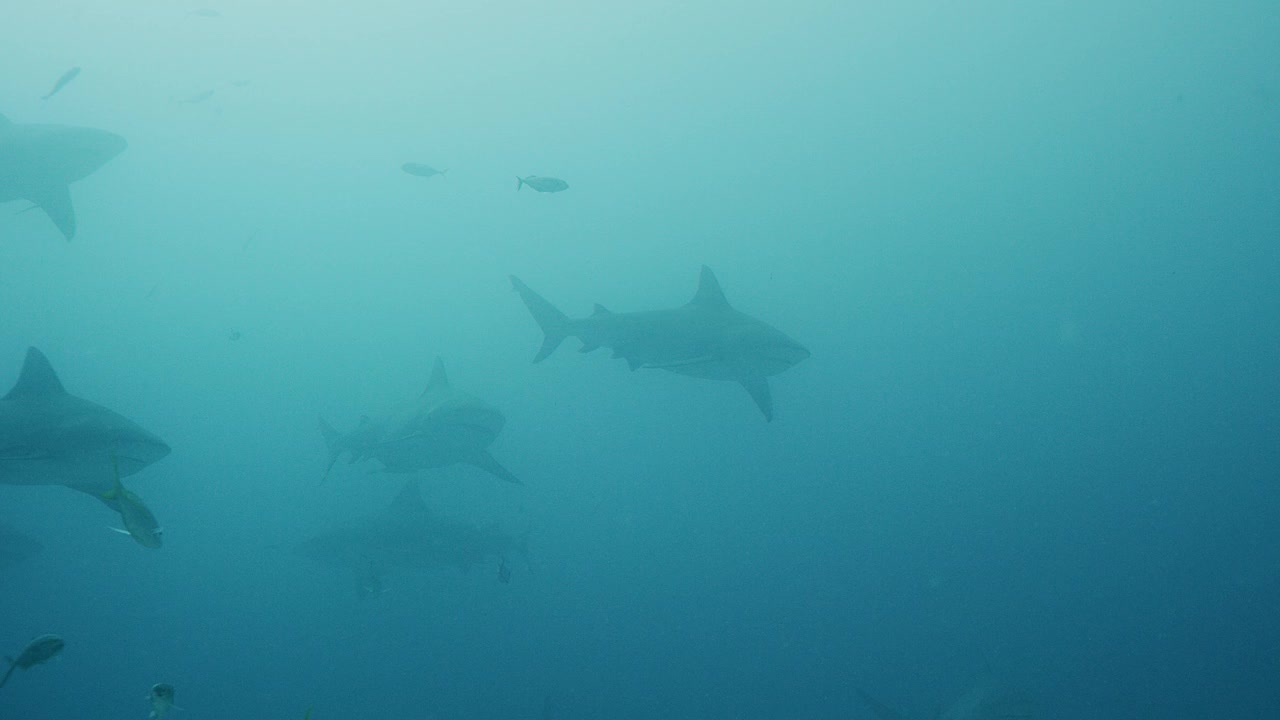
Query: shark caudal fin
[(333, 442), (554, 324), (519, 183)]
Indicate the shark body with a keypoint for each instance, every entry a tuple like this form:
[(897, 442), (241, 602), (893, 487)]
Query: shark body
[(39, 162), (441, 427), (408, 536), (50, 437), (704, 338)]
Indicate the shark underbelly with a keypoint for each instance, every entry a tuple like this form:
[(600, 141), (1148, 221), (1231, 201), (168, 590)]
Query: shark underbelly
[(706, 368), (93, 477), (435, 447)]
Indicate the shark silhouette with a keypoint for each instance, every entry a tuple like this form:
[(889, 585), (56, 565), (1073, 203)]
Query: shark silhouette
[(38, 162), (51, 437), (705, 338), (441, 427), (408, 536)]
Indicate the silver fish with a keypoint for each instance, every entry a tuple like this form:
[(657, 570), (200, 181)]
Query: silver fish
[(542, 184), (422, 170)]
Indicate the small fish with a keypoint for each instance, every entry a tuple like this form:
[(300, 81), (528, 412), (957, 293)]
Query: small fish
[(504, 572), (38, 651), (542, 184), (67, 77), (139, 523), (161, 698), (234, 336), (240, 83), (422, 170), (197, 98)]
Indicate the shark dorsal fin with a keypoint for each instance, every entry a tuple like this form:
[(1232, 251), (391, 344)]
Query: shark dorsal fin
[(709, 294), (600, 310), (439, 380), (37, 378), (409, 500)]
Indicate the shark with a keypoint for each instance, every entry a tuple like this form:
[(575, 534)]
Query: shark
[(984, 701), (39, 162), (704, 338), (441, 427), (16, 547), (408, 536), (50, 437)]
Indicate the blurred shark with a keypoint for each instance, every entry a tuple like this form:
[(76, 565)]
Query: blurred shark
[(51, 437), (16, 547), (984, 701), (441, 427), (38, 162), (38, 651), (704, 338), (407, 536)]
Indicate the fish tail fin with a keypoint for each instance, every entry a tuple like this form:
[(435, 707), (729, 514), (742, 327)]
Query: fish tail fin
[(333, 442), (519, 183), (555, 324)]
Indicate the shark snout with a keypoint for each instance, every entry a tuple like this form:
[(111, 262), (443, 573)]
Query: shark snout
[(139, 450), (101, 146), (790, 353)]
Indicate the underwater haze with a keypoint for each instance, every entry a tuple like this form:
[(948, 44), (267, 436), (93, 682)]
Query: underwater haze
[(1006, 273)]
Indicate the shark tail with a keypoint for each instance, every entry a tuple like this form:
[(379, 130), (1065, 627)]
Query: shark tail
[(332, 441), (12, 665), (555, 324), (519, 183)]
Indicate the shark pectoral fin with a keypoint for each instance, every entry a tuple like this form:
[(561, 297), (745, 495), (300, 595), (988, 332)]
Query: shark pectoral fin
[(122, 531), (758, 387), (485, 462), (56, 203)]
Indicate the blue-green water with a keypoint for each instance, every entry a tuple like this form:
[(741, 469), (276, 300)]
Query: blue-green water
[(1032, 247)]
